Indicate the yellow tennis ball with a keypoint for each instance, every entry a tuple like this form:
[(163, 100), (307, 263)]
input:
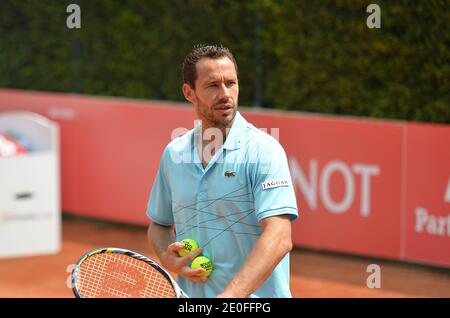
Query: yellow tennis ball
[(189, 246), (204, 262)]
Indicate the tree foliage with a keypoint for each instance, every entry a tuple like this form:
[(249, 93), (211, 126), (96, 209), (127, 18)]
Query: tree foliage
[(315, 56)]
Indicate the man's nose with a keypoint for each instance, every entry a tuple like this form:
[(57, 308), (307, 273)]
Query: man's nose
[(224, 92)]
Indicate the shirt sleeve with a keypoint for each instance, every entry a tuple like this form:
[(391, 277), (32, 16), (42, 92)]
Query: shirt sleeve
[(159, 207), (272, 184)]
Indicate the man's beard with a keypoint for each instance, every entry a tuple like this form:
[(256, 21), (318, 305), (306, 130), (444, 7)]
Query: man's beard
[(207, 113)]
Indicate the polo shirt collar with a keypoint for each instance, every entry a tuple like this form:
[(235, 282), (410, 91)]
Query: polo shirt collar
[(233, 140)]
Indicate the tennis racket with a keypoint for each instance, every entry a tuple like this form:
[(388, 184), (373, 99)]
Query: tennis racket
[(119, 273)]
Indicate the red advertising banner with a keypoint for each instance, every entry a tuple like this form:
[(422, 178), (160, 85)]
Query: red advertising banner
[(427, 215), (110, 149), (347, 175), (365, 187)]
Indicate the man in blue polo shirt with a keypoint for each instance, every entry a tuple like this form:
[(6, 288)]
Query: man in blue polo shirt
[(227, 185)]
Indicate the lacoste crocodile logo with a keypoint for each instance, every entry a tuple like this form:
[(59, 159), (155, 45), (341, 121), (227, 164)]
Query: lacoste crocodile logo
[(230, 173)]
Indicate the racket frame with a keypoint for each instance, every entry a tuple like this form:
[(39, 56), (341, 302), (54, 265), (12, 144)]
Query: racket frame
[(117, 250)]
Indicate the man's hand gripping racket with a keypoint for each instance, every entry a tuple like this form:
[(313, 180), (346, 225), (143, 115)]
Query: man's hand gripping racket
[(121, 273)]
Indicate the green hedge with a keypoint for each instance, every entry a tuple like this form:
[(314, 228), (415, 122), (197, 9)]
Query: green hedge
[(316, 56)]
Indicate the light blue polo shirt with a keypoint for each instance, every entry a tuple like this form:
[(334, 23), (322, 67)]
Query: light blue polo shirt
[(220, 206)]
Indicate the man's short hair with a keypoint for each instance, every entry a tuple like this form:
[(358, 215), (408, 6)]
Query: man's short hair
[(200, 51)]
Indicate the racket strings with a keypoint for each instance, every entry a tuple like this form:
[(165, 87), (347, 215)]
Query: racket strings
[(121, 276)]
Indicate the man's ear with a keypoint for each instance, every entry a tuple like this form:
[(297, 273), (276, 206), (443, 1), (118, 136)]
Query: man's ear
[(188, 93)]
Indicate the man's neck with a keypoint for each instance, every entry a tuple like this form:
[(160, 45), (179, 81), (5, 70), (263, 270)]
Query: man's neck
[(209, 142), (223, 130)]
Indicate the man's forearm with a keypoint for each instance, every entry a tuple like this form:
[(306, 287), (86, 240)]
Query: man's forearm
[(160, 237)]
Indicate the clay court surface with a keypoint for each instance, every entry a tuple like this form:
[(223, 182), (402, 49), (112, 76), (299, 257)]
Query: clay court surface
[(313, 273)]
